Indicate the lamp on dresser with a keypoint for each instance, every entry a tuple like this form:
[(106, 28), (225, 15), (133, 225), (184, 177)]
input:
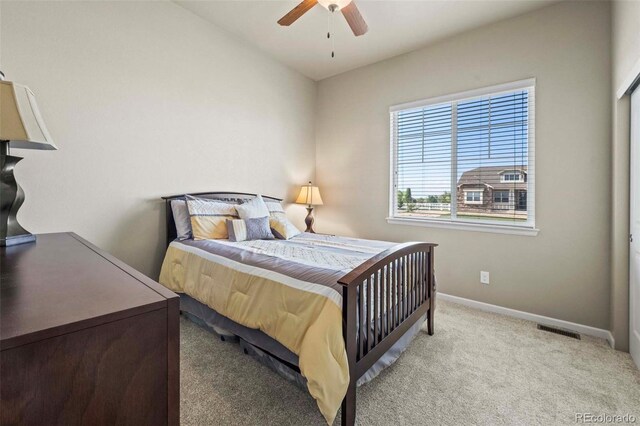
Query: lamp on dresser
[(309, 195), (21, 126)]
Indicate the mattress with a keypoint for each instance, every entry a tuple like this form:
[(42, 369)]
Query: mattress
[(286, 289)]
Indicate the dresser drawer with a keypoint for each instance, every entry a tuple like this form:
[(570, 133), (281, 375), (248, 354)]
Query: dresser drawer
[(113, 374)]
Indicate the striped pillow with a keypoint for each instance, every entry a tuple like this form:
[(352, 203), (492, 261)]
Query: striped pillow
[(275, 209), (282, 228), (209, 218), (280, 225), (249, 229)]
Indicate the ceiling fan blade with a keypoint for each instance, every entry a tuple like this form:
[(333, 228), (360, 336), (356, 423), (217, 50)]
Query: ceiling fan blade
[(354, 19), (297, 12)]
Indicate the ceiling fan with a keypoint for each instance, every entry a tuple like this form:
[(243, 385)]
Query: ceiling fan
[(347, 7)]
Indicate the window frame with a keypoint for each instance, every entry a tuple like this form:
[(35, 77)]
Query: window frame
[(501, 198), (480, 199), (518, 173), (529, 227)]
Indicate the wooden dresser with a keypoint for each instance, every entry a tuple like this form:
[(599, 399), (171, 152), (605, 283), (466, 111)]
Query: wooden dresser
[(85, 339)]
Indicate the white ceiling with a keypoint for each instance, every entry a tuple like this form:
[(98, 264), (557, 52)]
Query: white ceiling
[(395, 27)]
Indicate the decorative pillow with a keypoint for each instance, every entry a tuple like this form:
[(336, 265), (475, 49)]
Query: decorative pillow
[(209, 218), (275, 209), (181, 218), (253, 208), (249, 229), (282, 228), (280, 225)]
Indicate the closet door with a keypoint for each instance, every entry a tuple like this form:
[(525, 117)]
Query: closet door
[(634, 248)]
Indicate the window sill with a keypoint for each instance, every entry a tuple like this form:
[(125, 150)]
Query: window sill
[(462, 226)]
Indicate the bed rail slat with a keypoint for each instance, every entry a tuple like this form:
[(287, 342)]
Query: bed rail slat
[(416, 284), (416, 281), (418, 278), (412, 284), (396, 291), (362, 316), (405, 288), (376, 301), (389, 302), (421, 279), (368, 307), (425, 276)]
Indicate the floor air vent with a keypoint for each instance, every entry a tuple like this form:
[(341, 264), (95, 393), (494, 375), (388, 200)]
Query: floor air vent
[(561, 331)]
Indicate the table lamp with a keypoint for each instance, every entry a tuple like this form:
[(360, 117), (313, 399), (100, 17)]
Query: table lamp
[(309, 195), (21, 126)]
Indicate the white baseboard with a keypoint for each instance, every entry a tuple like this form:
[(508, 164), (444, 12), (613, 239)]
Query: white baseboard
[(582, 329)]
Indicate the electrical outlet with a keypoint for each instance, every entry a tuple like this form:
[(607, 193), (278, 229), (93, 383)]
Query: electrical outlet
[(484, 277)]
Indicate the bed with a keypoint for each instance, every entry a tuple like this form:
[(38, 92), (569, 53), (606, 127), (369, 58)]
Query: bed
[(332, 310)]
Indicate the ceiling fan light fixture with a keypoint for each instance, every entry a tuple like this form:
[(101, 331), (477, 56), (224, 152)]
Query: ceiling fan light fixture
[(348, 9), (338, 3)]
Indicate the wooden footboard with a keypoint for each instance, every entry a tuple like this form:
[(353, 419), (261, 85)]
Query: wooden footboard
[(382, 299)]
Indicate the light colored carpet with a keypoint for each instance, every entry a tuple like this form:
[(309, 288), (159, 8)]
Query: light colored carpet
[(478, 368)]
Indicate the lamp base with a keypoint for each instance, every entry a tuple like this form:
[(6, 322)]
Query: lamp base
[(11, 233), (309, 220), (18, 239)]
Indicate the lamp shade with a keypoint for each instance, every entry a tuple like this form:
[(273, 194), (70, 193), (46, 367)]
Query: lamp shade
[(309, 195), (20, 121)]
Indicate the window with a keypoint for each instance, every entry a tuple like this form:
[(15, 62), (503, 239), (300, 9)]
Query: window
[(473, 197), (501, 197), (446, 152), (513, 177)]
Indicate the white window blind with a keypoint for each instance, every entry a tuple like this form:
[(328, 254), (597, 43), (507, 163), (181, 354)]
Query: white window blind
[(466, 158)]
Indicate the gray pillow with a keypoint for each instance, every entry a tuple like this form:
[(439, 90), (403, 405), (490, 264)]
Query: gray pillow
[(249, 229), (181, 218)]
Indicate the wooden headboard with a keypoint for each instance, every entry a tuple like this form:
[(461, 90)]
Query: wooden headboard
[(229, 197)]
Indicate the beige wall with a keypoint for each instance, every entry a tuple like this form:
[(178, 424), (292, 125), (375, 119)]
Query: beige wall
[(145, 99), (563, 272), (625, 54), (625, 39)]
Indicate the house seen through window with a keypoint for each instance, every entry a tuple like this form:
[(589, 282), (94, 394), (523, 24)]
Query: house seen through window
[(465, 158)]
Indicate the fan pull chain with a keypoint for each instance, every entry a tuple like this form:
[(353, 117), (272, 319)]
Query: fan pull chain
[(329, 20)]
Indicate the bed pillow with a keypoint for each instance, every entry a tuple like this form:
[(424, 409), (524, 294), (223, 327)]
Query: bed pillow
[(249, 229), (280, 225), (282, 228), (274, 208), (181, 218), (209, 218), (253, 208)]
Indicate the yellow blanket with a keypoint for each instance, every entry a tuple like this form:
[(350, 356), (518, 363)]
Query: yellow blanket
[(304, 317)]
